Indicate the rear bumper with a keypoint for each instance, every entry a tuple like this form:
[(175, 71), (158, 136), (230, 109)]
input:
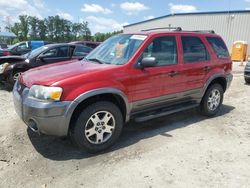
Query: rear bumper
[(51, 118)]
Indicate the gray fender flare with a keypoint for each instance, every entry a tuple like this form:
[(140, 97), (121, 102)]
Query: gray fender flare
[(95, 92), (209, 81)]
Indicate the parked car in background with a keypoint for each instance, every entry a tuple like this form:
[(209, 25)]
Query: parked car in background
[(138, 76), (87, 43), (3, 46), (247, 73), (22, 48), (12, 66)]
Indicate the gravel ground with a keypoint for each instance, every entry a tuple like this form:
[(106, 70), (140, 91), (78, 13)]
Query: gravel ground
[(180, 150)]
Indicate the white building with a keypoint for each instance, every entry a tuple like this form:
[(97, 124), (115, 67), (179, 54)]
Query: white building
[(231, 25)]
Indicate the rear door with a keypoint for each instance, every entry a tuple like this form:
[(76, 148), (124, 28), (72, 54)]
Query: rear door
[(196, 62)]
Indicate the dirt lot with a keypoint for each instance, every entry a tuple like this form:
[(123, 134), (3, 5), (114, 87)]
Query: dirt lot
[(181, 150)]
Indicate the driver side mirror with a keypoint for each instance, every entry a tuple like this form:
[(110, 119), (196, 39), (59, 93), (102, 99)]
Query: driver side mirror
[(147, 62)]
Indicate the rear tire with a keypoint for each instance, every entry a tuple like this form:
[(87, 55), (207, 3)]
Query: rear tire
[(247, 80), (212, 100), (98, 127)]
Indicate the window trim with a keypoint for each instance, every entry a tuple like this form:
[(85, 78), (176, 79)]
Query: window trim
[(195, 62)]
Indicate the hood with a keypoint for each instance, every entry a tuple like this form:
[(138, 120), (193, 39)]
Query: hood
[(11, 59), (50, 74)]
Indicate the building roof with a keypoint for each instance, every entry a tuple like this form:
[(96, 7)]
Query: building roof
[(7, 34), (191, 13)]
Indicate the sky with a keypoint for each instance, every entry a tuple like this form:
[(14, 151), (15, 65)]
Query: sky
[(106, 16)]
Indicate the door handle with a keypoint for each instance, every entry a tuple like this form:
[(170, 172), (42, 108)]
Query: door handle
[(206, 68), (173, 73)]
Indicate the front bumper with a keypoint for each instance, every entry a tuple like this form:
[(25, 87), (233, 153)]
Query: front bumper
[(247, 71), (51, 118)]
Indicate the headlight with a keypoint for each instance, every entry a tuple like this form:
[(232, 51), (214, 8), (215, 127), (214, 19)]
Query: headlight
[(45, 93), (3, 66)]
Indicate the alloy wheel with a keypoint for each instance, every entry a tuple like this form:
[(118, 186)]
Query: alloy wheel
[(100, 127)]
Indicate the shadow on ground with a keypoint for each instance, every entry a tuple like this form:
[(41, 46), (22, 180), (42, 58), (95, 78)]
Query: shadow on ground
[(60, 149)]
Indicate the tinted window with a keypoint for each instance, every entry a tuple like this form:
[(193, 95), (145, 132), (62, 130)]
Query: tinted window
[(194, 50), (57, 52), (218, 46), (163, 49), (81, 51)]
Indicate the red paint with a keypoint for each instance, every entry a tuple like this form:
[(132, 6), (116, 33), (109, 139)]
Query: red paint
[(77, 77)]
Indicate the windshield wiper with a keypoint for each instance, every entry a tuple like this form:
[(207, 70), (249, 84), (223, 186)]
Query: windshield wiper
[(95, 60)]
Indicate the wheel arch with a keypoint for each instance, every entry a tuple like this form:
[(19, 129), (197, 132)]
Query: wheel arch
[(109, 94), (219, 79)]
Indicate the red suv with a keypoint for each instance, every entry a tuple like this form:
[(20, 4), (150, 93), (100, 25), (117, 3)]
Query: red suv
[(137, 76)]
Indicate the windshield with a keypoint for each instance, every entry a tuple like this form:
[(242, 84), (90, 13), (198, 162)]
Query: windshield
[(117, 50), (35, 52)]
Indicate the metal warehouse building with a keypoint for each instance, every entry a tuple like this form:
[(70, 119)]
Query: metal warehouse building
[(231, 25)]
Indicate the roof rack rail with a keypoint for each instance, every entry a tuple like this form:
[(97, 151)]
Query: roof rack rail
[(159, 28), (205, 31)]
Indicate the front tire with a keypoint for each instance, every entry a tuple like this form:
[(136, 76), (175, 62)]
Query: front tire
[(212, 100), (247, 80), (98, 127)]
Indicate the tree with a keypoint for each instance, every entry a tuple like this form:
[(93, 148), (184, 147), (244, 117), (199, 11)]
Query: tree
[(54, 29), (85, 31), (33, 22), (24, 27), (42, 30)]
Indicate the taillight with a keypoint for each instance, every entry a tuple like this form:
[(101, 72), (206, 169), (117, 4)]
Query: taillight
[(6, 53)]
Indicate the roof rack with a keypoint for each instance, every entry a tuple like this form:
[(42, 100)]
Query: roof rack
[(205, 31), (159, 28), (179, 29)]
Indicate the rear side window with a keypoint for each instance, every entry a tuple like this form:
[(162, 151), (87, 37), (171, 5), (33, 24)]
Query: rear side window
[(194, 50), (219, 47)]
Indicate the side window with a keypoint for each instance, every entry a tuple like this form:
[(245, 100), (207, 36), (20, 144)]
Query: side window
[(23, 46), (57, 52), (81, 51), (164, 49), (219, 47), (194, 50)]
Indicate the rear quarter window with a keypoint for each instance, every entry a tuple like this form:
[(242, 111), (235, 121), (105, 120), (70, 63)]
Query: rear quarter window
[(218, 46)]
